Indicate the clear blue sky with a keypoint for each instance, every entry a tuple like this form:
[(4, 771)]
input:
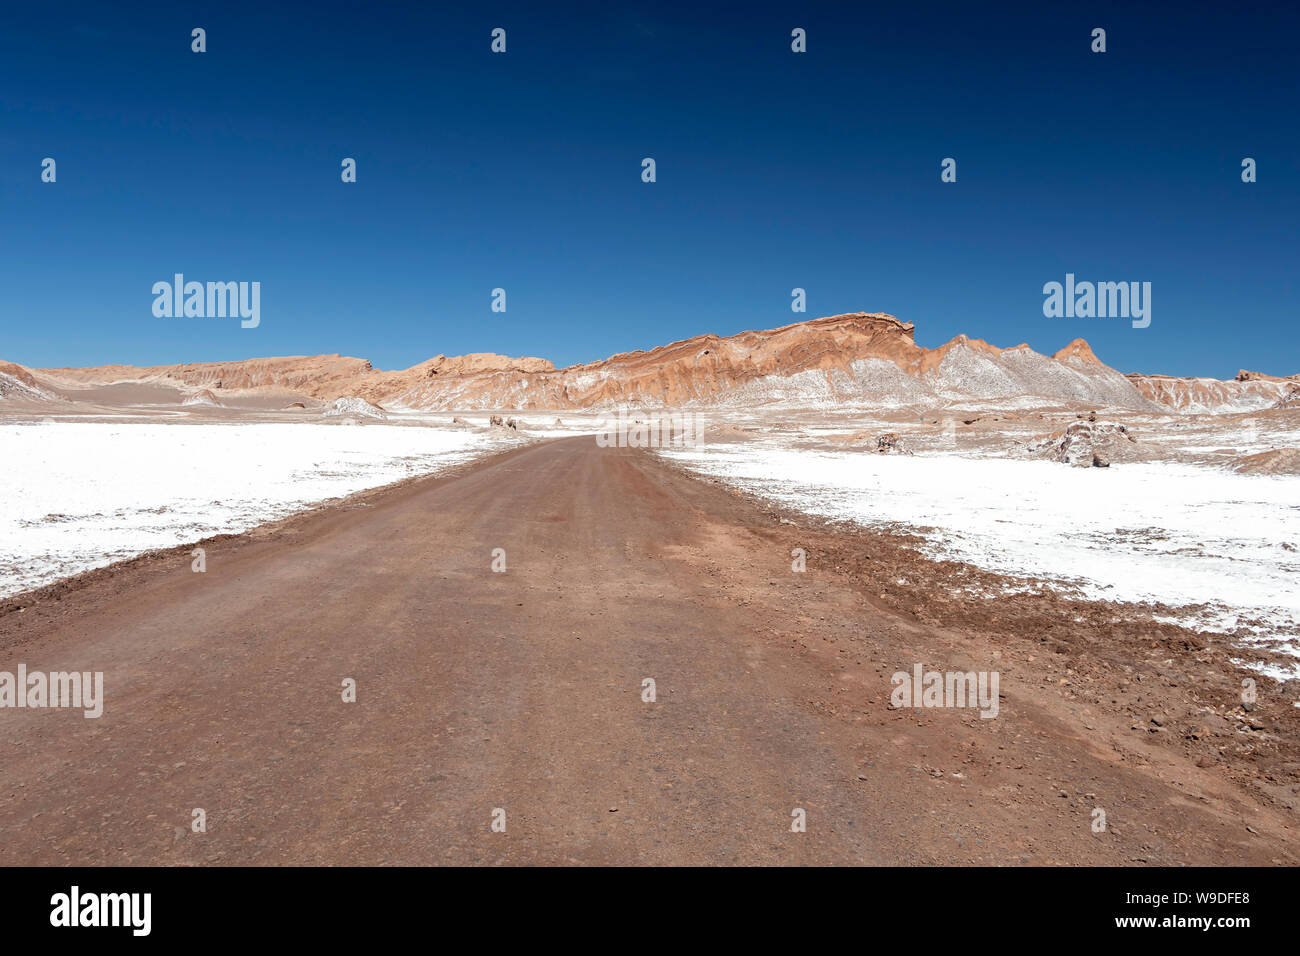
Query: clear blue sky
[(775, 170)]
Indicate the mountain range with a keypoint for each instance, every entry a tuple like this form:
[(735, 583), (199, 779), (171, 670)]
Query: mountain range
[(854, 359)]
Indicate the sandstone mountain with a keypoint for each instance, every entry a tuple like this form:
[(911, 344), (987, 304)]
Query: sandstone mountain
[(1248, 392), (18, 383), (856, 359)]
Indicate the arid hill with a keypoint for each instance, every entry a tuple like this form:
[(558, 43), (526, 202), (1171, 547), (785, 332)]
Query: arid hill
[(19, 384), (1248, 392), (1279, 461), (851, 360)]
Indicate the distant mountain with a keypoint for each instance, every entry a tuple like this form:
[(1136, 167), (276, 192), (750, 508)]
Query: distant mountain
[(857, 359), (1248, 392), (18, 383)]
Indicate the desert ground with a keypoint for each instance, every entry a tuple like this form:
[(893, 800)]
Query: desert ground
[(348, 616), (522, 690)]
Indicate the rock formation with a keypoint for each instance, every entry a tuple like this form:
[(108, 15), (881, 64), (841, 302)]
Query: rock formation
[(1249, 391), (1086, 444), (858, 359)]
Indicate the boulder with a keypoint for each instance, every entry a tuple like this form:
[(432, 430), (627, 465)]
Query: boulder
[(1086, 444), (890, 444), (354, 407)]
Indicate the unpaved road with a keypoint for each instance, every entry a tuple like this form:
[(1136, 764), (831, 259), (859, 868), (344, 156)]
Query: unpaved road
[(522, 691)]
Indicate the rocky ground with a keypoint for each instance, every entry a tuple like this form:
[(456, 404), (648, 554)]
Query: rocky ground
[(524, 691)]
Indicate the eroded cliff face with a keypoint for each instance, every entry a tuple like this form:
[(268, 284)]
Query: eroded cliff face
[(856, 358), (316, 375), (19, 384), (697, 370), (1248, 392), (693, 370)]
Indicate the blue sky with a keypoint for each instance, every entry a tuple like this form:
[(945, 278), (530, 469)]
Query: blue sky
[(775, 170)]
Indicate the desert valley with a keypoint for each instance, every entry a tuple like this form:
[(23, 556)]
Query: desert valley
[(843, 416), (1123, 548)]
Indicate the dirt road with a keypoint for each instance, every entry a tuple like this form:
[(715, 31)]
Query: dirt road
[(522, 691)]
